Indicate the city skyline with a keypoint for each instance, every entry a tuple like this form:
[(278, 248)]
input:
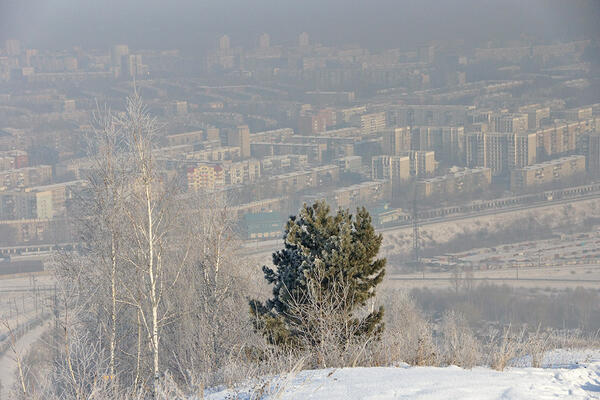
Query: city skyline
[(193, 26)]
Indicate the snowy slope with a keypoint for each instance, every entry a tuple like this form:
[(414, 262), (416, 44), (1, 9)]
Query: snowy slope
[(568, 376)]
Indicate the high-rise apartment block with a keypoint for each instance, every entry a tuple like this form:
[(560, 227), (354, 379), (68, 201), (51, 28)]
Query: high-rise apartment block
[(311, 124), (500, 151), (496, 152), (131, 65), (522, 150), (240, 137), (592, 153), (264, 41), (117, 53), (396, 141), (509, 123), (577, 114), (563, 137), (393, 168), (536, 115), (422, 163), (474, 150), (12, 47), (224, 43), (303, 40), (446, 141)]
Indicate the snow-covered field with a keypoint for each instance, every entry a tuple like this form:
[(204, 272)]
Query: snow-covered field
[(566, 375)]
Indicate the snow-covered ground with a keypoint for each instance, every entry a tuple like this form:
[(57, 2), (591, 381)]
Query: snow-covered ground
[(566, 375)]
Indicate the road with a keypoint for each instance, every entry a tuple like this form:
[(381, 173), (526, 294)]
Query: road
[(561, 277), (22, 299), (8, 360)]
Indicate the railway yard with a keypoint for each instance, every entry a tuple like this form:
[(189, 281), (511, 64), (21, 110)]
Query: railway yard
[(565, 261)]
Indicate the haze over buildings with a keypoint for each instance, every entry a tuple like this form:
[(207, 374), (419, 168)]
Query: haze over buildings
[(468, 130), (272, 112)]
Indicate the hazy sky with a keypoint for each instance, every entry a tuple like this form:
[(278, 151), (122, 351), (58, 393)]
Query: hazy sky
[(190, 24)]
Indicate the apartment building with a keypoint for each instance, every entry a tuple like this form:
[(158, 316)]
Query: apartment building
[(240, 137), (283, 163), (536, 115), (314, 151), (13, 159), (396, 140), (345, 115), (433, 115), (509, 123), (240, 172), (577, 114), (563, 137), (393, 168), (446, 141), (51, 200), (358, 195), (24, 177), (349, 163), (178, 139), (353, 196), (474, 149), (17, 205), (370, 123), (456, 182), (500, 151), (295, 181), (592, 153), (215, 154), (522, 149), (205, 176), (422, 163), (547, 172)]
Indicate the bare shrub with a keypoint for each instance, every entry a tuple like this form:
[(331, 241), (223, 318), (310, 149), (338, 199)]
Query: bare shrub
[(536, 345), (504, 347), (459, 346), (573, 339), (407, 337)]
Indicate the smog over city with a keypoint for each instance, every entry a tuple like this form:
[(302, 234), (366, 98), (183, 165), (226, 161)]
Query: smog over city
[(269, 199)]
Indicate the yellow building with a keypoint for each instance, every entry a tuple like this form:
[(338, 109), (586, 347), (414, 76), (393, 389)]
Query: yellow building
[(205, 176)]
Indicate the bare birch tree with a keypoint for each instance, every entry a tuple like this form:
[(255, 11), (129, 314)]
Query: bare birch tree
[(155, 253), (162, 289)]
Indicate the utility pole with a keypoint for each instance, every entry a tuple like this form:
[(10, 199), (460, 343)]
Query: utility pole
[(415, 211), (415, 226)]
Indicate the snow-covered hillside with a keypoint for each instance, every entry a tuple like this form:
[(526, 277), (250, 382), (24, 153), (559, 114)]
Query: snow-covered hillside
[(566, 375)]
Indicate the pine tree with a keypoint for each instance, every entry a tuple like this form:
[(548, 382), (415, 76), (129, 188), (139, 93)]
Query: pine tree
[(325, 273)]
